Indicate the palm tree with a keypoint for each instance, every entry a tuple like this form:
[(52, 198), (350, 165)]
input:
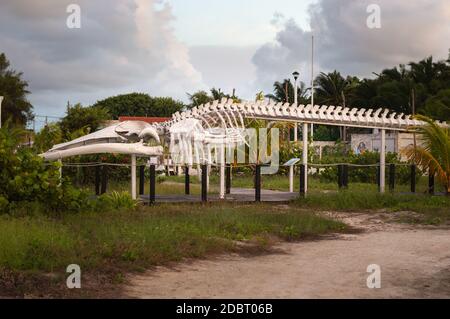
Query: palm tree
[(334, 89), (435, 152), (284, 92)]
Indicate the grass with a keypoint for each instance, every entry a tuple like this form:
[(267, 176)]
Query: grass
[(432, 209), (112, 243)]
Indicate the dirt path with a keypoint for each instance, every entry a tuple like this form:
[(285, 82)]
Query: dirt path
[(414, 261)]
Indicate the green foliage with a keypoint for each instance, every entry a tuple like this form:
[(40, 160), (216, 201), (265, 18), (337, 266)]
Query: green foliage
[(434, 154), (14, 90), (284, 92), (426, 82), (151, 236), (81, 120), (26, 178), (115, 201), (361, 174), (48, 136), (438, 106), (202, 97), (139, 104)]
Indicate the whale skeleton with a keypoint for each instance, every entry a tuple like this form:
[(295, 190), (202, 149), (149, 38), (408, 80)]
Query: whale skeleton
[(219, 124)]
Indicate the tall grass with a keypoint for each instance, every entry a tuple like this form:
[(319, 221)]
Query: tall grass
[(149, 236)]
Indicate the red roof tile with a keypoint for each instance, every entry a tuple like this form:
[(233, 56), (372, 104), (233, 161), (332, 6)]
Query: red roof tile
[(144, 119)]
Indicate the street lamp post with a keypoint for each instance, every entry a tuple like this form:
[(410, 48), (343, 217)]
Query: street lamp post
[(295, 75)]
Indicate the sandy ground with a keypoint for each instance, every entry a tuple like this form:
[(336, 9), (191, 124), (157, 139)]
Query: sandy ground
[(414, 261)]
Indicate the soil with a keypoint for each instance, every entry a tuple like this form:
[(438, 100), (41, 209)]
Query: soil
[(414, 262)]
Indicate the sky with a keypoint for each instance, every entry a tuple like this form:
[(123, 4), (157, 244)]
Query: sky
[(171, 47)]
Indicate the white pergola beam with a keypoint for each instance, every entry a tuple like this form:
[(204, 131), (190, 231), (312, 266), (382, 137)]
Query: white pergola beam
[(383, 161), (305, 153), (133, 176)]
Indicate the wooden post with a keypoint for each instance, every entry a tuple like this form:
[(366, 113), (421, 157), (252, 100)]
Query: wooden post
[(302, 179), (228, 179), (258, 183), (378, 177), (391, 177), (187, 190), (430, 182), (345, 176), (152, 197), (104, 179), (97, 180), (204, 183), (141, 179), (413, 178)]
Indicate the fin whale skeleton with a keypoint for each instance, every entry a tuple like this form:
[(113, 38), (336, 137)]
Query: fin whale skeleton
[(220, 123)]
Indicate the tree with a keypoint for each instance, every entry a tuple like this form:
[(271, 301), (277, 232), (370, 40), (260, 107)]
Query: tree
[(14, 90), (202, 97), (47, 137), (434, 155), (284, 92), (198, 98), (139, 104), (438, 106), (81, 120), (333, 89)]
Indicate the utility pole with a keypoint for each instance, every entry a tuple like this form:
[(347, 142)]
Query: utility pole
[(413, 105), (296, 75), (312, 81), (1, 100)]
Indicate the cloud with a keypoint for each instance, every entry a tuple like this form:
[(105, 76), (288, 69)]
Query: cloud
[(121, 45), (410, 30)]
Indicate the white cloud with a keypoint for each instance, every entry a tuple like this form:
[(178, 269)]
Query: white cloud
[(122, 45), (410, 30)]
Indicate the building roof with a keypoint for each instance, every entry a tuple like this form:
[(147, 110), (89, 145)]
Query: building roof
[(144, 119)]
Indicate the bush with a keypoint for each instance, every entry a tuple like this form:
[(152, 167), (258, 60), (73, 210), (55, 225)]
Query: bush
[(367, 174), (27, 178), (115, 201)]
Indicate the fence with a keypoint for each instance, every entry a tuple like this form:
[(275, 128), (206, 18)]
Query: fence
[(101, 175)]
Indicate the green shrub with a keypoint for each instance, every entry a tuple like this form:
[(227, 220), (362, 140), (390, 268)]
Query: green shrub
[(115, 201), (27, 178)]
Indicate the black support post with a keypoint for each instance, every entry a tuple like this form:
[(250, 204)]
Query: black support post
[(97, 180), (104, 179), (340, 175), (141, 179), (430, 182), (413, 178), (378, 176), (187, 190), (391, 177), (152, 194), (345, 176), (302, 179), (204, 183), (228, 179), (258, 183)]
